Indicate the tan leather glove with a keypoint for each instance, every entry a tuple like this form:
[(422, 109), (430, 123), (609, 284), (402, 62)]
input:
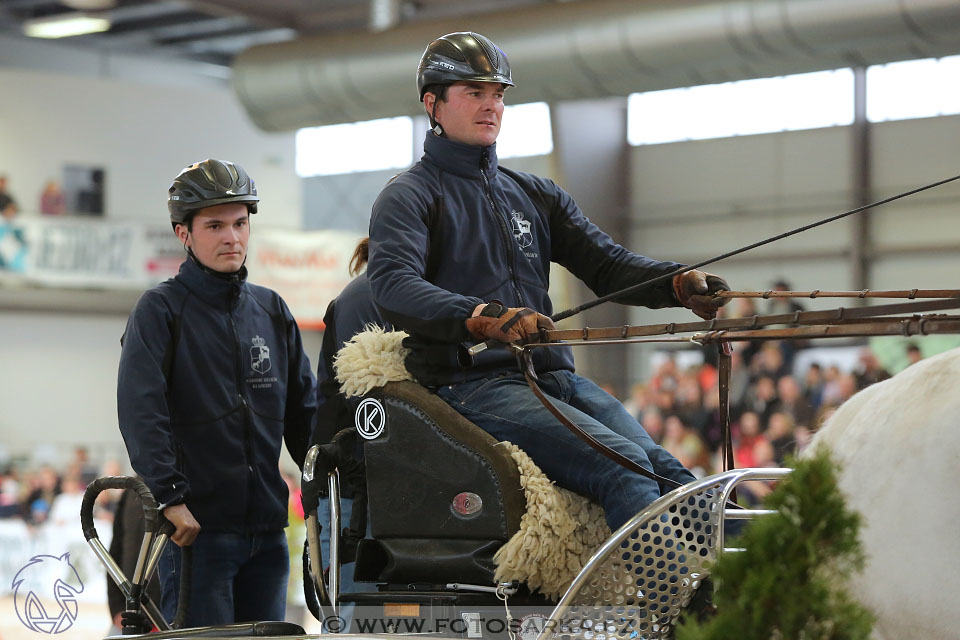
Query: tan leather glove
[(513, 324), (695, 289)]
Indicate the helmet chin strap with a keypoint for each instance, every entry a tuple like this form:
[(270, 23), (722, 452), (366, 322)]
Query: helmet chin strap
[(434, 125)]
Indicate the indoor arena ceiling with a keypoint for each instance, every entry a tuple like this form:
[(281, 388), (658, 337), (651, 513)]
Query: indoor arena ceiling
[(298, 63), (215, 31)]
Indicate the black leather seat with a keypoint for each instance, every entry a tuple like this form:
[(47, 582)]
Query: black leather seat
[(443, 494)]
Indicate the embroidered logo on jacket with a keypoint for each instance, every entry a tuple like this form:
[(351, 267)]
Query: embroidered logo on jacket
[(521, 229), (260, 355)]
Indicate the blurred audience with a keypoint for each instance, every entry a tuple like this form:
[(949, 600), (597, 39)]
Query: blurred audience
[(869, 370), (685, 445), (774, 412), (813, 383), (13, 243), (792, 402), (41, 490), (913, 354), (748, 434), (783, 305), (38, 494), (8, 206), (52, 201)]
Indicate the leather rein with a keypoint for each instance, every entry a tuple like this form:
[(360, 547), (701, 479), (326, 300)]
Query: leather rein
[(839, 322)]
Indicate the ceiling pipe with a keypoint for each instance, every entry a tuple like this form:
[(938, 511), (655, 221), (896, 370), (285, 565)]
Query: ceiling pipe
[(589, 49)]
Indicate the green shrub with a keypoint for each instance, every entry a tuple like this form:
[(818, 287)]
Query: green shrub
[(790, 582)]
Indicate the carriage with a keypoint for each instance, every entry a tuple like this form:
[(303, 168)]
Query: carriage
[(456, 544)]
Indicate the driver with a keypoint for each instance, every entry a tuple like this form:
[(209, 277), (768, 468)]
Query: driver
[(460, 251)]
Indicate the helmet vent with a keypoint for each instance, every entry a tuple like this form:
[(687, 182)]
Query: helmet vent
[(489, 49), (223, 177), (449, 50)]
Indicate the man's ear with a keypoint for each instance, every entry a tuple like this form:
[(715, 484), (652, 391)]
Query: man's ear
[(429, 99), (182, 233)]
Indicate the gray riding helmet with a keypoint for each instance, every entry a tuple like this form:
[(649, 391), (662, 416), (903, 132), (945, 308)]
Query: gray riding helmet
[(463, 55), (209, 183)]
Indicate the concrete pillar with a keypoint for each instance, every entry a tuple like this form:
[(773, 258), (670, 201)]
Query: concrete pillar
[(591, 162), (861, 253)]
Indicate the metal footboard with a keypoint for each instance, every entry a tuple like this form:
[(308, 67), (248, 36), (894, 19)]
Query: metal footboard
[(635, 586)]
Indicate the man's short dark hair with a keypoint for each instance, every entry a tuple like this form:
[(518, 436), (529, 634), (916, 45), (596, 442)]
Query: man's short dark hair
[(439, 90), (188, 223)]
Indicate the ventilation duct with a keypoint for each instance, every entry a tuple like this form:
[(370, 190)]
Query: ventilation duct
[(588, 49)]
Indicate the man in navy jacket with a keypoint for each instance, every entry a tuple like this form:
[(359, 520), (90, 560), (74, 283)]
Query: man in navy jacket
[(212, 379), (460, 251)]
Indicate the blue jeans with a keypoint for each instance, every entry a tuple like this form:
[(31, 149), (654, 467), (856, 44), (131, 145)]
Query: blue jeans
[(236, 578), (504, 407)]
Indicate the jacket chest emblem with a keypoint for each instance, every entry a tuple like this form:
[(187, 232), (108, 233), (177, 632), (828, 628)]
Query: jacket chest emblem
[(521, 229), (260, 355)]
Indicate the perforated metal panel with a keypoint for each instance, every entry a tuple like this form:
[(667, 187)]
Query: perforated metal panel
[(636, 585)]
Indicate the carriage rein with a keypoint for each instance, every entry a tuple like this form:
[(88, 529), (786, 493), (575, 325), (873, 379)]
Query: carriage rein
[(839, 322)]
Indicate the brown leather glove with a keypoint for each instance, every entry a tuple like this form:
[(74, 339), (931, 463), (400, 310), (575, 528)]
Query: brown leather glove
[(514, 324), (695, 289)]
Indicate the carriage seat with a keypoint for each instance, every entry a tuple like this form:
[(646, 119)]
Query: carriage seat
[(448, 502), (443, 495)]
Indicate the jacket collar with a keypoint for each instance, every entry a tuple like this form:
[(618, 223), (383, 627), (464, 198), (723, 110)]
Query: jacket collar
[(461, 159), (208, 287)]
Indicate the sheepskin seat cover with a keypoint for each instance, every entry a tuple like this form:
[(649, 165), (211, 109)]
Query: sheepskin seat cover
[(370, 360), (560, 529)]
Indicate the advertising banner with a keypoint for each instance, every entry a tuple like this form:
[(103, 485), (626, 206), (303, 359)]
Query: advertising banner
[(307, 268)]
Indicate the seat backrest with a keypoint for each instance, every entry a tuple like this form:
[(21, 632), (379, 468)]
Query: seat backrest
[(443, 494)]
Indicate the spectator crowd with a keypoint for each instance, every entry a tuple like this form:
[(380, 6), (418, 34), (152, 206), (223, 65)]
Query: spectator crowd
[(774, 410), (41, 494)]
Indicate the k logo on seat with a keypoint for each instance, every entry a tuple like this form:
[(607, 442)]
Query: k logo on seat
[(370, 419)]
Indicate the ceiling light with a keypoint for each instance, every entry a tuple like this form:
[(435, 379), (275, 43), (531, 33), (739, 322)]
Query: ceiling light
[(65, 25), (90, 5)]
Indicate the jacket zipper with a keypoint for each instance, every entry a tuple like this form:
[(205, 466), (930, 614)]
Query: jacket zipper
[(245, 407), (504, 232)]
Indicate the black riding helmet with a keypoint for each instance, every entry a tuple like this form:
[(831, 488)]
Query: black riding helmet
[(209, 183), (463, 55)]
